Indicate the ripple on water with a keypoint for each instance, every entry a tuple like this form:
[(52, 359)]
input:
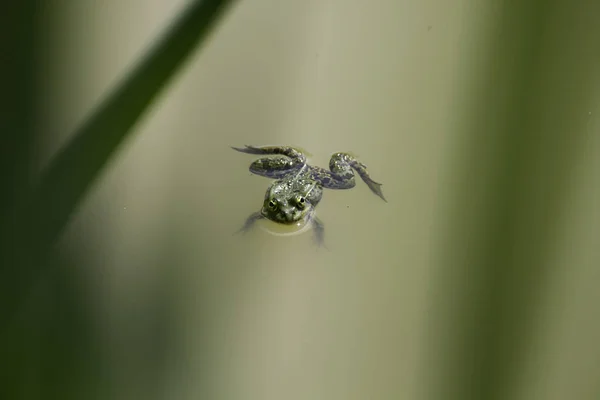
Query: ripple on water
[(276, 229)]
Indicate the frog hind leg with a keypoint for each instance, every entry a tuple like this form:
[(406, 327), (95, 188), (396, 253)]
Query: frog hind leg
[(342, 167), (288, 160)]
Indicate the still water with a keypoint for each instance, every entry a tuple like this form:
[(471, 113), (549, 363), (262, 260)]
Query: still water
[(268, 315)]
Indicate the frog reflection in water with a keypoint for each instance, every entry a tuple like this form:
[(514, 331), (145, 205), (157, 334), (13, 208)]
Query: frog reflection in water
[(298, 188)]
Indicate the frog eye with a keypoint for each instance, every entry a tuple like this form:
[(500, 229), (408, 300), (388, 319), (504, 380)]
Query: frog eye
[(301, 201), (272, 205)]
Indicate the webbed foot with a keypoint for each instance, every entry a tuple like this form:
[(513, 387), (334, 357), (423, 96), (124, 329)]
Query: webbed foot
[(341, 175), (272, 150), (248, 149), (374, 186)]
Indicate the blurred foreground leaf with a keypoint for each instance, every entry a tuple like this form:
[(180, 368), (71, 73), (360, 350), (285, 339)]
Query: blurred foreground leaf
[(74, 169), (526, 126), (42, 213)]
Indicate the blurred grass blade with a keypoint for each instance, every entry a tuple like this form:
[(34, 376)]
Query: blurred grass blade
[(67, 179), (522, 147), (29, 230)]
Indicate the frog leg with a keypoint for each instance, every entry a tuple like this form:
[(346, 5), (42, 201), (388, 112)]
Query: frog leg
[(289, 160), (250, 222), (319, 229), (341, 174)]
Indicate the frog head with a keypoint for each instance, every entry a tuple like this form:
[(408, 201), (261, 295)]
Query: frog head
[(290, 202)]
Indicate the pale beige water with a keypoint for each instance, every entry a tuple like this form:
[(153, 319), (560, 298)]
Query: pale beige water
[(261, 316)]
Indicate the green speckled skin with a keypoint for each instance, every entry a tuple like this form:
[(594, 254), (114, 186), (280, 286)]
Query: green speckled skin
[(298, 188)]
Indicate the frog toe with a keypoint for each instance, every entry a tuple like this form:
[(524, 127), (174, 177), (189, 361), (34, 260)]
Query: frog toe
[(375, 188)]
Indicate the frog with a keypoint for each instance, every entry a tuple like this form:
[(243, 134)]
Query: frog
[(298, 187)]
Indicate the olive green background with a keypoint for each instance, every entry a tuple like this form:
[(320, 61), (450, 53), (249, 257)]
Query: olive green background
[(477, 280)]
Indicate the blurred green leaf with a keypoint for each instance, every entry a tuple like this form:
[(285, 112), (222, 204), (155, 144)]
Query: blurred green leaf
[(525, 131), (41, 213), (75, 168)]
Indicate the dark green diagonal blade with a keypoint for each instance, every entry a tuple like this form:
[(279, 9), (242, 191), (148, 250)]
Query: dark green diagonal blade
[(35, 217), (73, 171)]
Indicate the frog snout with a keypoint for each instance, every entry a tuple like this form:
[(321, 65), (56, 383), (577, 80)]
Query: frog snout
[(288, 213)]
